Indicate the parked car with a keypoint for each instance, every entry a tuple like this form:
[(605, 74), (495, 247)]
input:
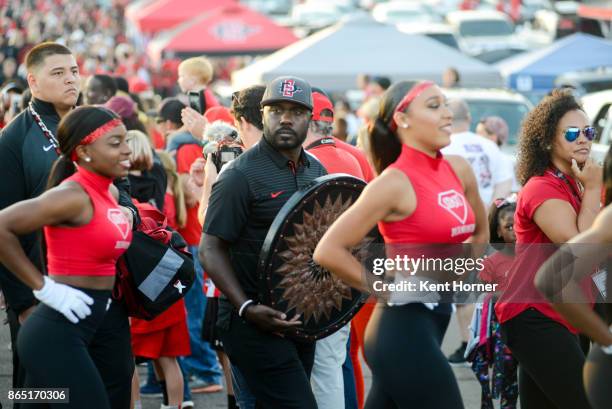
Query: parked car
[(560, 21), (437, 31), (395, 12), (276, 7), (602, 142), (585, 82), (504, 103), (597, 107), (483, 30), (307, 18), (527, 9)]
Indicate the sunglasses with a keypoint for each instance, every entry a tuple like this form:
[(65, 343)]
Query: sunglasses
[(572, 133)]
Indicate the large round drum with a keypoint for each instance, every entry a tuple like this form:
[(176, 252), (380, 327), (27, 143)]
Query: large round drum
[(290, 281)]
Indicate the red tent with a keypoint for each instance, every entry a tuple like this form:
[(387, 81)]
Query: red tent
[(228, 30), (165, 14)]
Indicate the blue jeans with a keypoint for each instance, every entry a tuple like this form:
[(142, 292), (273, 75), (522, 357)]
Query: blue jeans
[(350, 390), (202, 362), (242, 393)]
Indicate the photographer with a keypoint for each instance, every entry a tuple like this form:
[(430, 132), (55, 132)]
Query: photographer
[(202, 363), (246, 113), (247, 119)]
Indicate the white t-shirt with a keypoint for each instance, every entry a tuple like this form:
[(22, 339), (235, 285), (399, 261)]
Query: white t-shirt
[(486, 159)]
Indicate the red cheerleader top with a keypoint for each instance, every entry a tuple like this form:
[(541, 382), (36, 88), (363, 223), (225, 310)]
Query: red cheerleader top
[(91, 249), (443, 214)]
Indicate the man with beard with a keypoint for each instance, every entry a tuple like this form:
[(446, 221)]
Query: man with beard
[(243, 204)]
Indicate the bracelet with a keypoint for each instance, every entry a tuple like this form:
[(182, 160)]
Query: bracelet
[(243, 306)]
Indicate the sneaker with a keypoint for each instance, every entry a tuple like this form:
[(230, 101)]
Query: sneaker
[(151, 390), (187, 404), (199, 385), (456, 358), (210, 388)]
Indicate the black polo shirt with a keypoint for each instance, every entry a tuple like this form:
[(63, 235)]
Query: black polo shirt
[(247, 197)]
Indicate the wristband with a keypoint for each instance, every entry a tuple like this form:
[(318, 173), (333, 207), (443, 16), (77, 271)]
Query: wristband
[(243, 306)]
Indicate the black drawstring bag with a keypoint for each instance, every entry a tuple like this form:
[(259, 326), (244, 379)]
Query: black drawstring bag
[(156, 271)]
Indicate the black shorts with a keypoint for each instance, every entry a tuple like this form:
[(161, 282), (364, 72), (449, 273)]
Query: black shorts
[(210, 333)]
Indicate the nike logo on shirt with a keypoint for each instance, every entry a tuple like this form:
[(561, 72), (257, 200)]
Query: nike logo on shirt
[(48, 148), (277, 194)]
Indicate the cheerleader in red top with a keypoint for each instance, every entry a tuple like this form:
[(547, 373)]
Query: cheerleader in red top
[(85, 233), (560, 199), (419, 197)]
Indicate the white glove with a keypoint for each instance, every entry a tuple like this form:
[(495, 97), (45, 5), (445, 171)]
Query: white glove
[(72, 303), (608, 349)]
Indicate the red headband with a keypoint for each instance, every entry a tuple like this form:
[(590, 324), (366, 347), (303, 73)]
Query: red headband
[(96, 133), (414, 92)]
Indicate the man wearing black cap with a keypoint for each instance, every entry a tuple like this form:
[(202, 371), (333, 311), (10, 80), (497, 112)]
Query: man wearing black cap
[(243, 204)]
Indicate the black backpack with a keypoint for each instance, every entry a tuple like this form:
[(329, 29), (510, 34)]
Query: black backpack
[(155, 271)]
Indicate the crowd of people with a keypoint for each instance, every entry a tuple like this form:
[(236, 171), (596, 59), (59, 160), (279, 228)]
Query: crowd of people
[(83, 159)]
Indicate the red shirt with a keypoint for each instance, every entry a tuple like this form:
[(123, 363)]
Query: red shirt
[(496, 268), (173, 315), (185, 156), (91, 249), (521, 293), (170, 210), (366, 168), (334, 159), (443, 214)]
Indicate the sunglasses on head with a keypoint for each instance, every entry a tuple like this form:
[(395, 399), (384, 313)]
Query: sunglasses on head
[(573, 132)]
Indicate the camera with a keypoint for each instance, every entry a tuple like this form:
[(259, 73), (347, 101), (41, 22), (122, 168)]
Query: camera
[(223, 143), (225, 154)]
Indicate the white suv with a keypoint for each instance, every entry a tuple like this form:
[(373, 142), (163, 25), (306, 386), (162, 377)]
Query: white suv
[(483, 30), (510, 106)]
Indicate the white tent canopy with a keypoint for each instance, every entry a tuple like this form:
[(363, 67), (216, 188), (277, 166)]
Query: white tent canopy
[(332, 58)]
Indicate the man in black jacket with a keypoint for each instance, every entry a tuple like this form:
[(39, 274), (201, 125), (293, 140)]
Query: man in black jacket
[(28, 149)]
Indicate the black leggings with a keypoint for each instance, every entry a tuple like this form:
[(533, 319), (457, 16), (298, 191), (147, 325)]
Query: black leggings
[(597, 377), (402, 347), (59, 354), (550, 362)]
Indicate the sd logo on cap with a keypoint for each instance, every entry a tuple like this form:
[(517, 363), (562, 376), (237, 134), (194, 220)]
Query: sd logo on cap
[(288, 89)]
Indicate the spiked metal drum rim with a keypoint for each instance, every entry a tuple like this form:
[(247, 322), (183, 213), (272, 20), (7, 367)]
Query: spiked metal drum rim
[(287, 230)]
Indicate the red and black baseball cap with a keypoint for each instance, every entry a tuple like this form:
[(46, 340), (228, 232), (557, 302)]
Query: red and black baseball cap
[(289, 89), (322, 104)]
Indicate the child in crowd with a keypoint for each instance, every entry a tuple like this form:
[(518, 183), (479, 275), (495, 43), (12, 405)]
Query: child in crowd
[(164, 338), (175, 209), (486, 349)]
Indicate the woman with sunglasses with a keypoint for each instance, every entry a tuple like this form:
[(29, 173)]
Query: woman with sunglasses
[(592, 246), (420, 197), (560, 199)]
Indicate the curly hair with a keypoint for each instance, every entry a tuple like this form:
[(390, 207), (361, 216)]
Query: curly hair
[(608, 177), (538, 133)]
